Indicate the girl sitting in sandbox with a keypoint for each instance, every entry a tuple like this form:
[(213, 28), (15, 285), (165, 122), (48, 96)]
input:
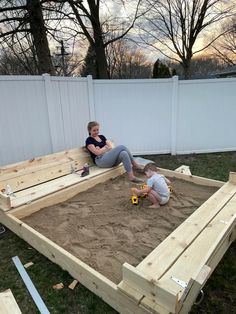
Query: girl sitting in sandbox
[(104, 156)]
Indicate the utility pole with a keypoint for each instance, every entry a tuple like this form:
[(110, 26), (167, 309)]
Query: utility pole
[(62, 55)]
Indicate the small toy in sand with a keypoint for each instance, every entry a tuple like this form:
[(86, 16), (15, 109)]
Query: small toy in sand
[(135, 198), (170, 188)]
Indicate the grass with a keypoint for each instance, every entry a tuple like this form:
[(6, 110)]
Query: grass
[(220, 290)]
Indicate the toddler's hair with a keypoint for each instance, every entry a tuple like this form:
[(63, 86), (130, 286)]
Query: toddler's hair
[(150, 166), (91, 124)]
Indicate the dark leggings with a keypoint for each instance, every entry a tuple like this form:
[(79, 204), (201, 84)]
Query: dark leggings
[(114, 157)]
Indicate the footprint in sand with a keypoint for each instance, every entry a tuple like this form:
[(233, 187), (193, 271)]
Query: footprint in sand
[(80, 251)]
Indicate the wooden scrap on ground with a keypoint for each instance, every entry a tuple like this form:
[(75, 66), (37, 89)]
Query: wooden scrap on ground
[(27, 265), (8, 303), (73, 284), (58, 286)]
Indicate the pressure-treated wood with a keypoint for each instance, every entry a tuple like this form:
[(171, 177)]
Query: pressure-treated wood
[(149, 287), (178, 255), (8, 303), (37, 178)]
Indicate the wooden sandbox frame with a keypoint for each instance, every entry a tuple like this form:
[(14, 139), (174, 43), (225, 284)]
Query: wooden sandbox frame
[(169, 279)]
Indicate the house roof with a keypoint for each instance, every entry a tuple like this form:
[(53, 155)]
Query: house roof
[(229, 71)]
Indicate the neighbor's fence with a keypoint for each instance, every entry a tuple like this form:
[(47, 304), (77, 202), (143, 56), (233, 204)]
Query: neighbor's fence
[(44, 114)]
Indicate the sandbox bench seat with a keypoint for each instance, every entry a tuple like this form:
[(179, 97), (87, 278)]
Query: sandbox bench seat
[(172, 275), (36, 178)]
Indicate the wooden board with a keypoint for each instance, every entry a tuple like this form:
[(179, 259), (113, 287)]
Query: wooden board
[(64, 194), (8, 303), (29, 173), (147, 288), (161, 259), (86, 275), (178, 258)]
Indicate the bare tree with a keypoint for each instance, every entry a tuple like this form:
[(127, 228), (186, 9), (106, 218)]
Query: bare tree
[(202, 66), (225, 47), (18, 19), (125, 61), (88, 16), (172, 27)]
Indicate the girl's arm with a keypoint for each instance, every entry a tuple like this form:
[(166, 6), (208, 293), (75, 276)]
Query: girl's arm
[(97, 150), (109, 144)]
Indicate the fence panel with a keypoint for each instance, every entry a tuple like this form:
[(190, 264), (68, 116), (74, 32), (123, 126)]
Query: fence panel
[(41, 115), (136, 113), (24, 119), (206, 116), (71, 112)]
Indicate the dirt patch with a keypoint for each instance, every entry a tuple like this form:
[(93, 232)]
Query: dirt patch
[(102, 228)]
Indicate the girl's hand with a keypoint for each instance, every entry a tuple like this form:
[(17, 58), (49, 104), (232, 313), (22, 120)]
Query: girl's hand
[(107, 148)]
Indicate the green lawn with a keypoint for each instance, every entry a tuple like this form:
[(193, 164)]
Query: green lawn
[(220, 290)]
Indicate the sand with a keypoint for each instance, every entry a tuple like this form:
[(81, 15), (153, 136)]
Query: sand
[(104, 229)]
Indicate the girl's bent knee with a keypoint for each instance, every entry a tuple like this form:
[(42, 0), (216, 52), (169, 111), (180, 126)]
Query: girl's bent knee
[(122, 147)]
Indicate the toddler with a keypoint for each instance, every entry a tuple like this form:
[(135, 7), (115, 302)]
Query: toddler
[(157, 187)]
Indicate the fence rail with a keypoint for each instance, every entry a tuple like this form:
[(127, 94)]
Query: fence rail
[(44, 114)]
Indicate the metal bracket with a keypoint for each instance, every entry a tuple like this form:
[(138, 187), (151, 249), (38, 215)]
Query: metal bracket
[(2, 229), (181, 283)]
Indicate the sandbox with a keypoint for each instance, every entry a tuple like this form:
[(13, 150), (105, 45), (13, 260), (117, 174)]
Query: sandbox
[(139, 260)]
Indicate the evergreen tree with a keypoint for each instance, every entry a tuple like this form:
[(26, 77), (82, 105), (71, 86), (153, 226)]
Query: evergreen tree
[(160, 70)]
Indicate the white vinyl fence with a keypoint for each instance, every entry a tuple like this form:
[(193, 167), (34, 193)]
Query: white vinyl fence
[(43, 114)]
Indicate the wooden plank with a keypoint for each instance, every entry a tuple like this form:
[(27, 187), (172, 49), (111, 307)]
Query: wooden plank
[(192, 178), (149, 287), (184, 169), (162, 258), (8, 303), (36, 192), (190, 263), (130, 291), (67, 193), (44, 174), (139, 298), (5, 203), (70, 154), (232, 177), (153, 306), (86, 275), (192, 291)]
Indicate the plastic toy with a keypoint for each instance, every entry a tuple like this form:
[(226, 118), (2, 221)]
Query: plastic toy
[(135, 198)]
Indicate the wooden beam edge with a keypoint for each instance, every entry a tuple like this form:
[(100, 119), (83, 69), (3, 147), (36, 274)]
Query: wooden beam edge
[(148, 287), (86, 275), (191, 178), (5, 202), (65, 193), (8, 304)]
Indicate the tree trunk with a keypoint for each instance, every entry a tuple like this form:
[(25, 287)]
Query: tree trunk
[(40, 41), (101, 60), (186, 69)]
